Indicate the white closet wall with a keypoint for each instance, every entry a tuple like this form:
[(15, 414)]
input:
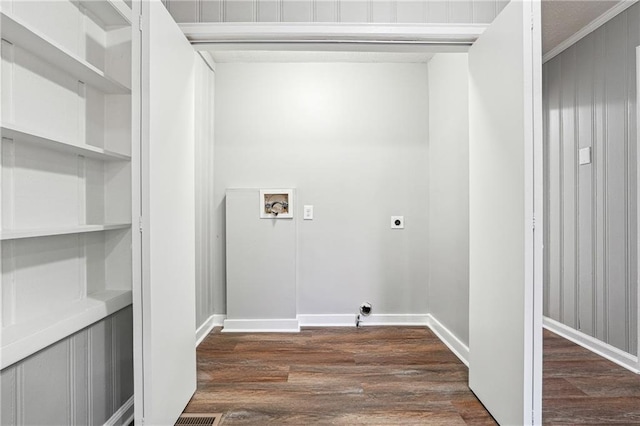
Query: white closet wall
[(66, 169), (449, 193), (205, 236), (352, 139)]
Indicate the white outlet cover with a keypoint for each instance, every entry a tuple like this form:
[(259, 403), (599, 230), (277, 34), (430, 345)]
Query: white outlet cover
[(397, 222), (584, 155), (308, 212)]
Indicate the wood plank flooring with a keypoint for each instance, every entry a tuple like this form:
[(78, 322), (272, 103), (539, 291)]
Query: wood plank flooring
[(371, 375), (580, 387), (389, 376)]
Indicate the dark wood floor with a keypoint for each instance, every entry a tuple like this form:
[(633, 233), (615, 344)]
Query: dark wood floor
[(580, 387), (389, 376), (371, 375)]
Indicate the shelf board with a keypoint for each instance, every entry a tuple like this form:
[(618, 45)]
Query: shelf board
[(20, 34), (112, 13), (21, 340), (63, 230), (21, 135)]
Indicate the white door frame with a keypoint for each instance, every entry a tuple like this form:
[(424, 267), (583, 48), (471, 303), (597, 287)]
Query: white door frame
[(398, 38), (638, 209)]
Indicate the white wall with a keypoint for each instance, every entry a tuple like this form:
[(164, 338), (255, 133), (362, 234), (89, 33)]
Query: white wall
[(205, 236), (352, 138), (449, 192)]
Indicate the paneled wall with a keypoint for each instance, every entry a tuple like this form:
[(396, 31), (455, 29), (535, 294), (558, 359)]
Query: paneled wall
[(204, 191), (81, 380), (352, 11), (590, 101)]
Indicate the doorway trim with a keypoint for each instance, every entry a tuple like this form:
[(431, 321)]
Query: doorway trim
[(340, 37), (405, 38)]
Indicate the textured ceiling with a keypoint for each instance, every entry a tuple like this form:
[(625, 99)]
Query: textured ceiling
[(562, 18)]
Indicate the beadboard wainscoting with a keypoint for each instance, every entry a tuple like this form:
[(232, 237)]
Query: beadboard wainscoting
[(352, 11), (86, 378)]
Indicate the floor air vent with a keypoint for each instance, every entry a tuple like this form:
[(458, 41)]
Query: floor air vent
[(199, 419)]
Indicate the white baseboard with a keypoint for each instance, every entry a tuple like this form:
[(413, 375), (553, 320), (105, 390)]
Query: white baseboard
[(394, 319), (349, 320), (218, 320), (124, 415), (327, 320), (207, 326), (599, 347), (261, 326), (454, 344)]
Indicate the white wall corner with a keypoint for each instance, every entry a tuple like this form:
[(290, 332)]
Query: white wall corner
[(208, 59), (456, 345), (124, 415), (596, 346), (261, 326), (206, 327), (327, 320)]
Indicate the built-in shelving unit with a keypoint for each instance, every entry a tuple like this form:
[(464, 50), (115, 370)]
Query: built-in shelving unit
[(18, 135), (49, 232), (111, 13), (41, 46), (65, 178)]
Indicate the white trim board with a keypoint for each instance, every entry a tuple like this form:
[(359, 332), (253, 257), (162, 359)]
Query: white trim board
[(349, 320), (454, 344), (594, 345), (230, 32), (638, 208), (206, 327), (261, 326), (588, 29), (124, 415)]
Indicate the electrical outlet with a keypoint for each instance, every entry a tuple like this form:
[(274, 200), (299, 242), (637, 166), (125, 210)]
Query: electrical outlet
[(397, 222)]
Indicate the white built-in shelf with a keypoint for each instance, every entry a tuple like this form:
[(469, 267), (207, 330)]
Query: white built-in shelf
[(21, 340), (20, 135), (30, 39), (63, 230), (113, 13)]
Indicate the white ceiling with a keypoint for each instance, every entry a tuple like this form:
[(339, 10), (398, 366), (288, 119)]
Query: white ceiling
[(562, 18)]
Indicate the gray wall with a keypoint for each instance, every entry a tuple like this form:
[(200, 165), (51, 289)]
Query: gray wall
[(352, 138), (354, 11), (590, 100), (81, 380), (449, 192), (204, 98)]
